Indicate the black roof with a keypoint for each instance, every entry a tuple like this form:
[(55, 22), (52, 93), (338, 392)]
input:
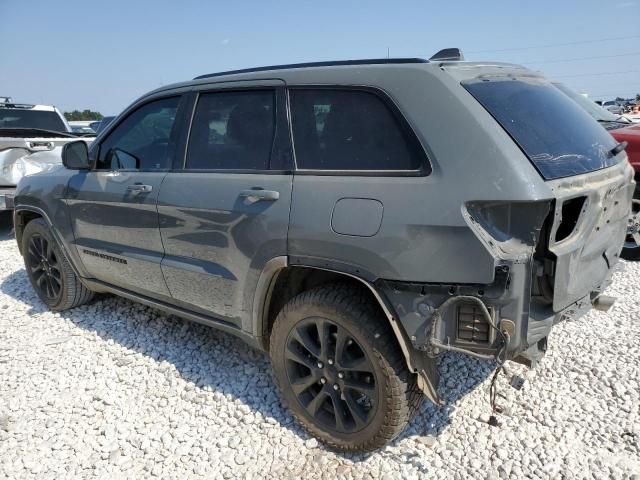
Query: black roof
[(374, 61)]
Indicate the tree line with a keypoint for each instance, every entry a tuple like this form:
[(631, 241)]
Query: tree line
[(85, 115)]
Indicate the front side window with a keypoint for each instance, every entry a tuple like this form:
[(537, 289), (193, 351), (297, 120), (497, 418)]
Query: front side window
[(232, 131), (144, 140), (349, 130), (557, 135)]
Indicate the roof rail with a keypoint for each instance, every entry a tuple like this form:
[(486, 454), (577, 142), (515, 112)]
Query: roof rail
[(16, 105), (374, 61), (448, 54)]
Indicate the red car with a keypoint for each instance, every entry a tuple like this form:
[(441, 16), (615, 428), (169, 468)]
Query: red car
[(631, 135), (623, 131)]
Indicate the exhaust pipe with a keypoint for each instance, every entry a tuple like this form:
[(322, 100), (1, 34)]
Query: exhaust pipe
[(603, 302)]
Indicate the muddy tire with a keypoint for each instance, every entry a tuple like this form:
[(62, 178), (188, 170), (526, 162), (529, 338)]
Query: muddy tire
[(340, 370), (49, 271)]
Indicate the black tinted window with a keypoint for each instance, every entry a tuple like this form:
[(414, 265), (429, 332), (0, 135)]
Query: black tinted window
[(557, 135), (143, 140), (349, 130), (26, 118), (232, 130)]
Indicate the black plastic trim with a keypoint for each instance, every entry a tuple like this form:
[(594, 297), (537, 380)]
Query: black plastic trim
[(100, 286), (334, 63)]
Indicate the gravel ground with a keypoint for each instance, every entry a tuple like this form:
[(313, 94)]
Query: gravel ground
[(118, 390)]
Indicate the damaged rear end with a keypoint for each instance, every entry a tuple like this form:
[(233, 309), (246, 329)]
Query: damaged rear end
[(555, 260), (552, 257)]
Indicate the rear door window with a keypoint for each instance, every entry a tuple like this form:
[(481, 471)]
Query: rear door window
[(337, 129), (232, 131), (557, 135)]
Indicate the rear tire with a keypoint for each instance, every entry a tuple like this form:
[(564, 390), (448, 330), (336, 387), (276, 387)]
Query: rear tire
[(340, 370), (49, 271)]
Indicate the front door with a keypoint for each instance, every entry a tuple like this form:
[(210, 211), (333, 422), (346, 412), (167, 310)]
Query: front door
[(225, 212), (113, 206)]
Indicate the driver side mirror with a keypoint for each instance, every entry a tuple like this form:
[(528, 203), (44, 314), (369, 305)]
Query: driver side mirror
[(75, 156)]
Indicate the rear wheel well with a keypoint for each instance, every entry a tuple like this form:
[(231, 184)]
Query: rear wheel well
[(21, 219), (291, 281)]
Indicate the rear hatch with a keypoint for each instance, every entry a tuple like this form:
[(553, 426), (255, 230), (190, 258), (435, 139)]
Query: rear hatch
[(588, 230), (583, 165)]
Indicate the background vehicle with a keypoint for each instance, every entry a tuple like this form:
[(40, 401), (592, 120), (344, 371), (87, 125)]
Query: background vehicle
[(328, 213), (94, 125), (79, 129), (613, 107), (31, 139), (104, 123), (623, 131)]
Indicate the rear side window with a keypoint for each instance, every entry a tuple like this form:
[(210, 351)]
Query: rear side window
[(559, 137), (349, 130), (232, 131)]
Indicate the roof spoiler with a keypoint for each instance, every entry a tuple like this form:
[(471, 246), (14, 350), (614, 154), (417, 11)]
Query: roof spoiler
[(448, 54)]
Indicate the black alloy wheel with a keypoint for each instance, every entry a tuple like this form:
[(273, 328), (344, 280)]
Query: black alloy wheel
[(331, 375), (50, 273), (44, 267), (340, 369)]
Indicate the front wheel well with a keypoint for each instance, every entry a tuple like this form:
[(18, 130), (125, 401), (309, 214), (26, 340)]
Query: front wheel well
[(21, 219)]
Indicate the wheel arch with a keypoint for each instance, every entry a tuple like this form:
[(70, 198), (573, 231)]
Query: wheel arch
[(281, 281), (22, 216)]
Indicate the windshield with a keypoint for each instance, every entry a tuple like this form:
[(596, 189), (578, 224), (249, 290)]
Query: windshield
[(24, 118), (557, 135), (592, 108)]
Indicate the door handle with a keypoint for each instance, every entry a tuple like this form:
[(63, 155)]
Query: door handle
[(259, 194), (139, 188)]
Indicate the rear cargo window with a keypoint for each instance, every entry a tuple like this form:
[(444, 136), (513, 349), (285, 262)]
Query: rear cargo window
[(23, 118), (557, 135)]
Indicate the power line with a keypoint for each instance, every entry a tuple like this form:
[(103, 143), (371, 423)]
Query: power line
[(595, 74), (630, 54), (583, 42)]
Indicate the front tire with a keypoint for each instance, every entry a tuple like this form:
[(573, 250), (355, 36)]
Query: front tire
[(340, 370), (49, 271)]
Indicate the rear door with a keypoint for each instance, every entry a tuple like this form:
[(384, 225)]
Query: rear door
[(113, 206), (224, 209)]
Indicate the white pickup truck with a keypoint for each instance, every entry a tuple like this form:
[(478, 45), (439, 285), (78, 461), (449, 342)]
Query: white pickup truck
[(31, 140)]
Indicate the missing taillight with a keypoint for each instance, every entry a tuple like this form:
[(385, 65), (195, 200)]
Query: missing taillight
[(472, 326), (571, 210)]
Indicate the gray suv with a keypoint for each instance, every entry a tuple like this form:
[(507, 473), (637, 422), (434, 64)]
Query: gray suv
[(354, 219)]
